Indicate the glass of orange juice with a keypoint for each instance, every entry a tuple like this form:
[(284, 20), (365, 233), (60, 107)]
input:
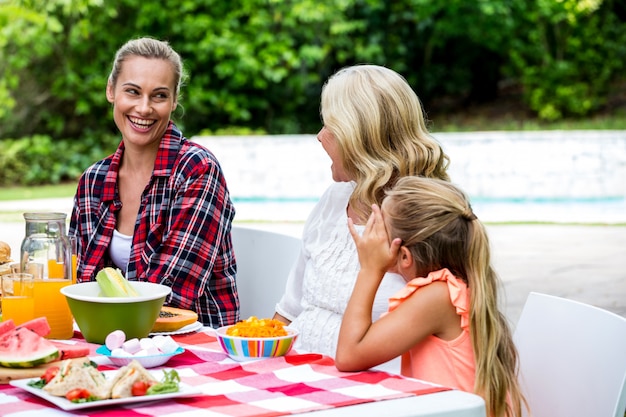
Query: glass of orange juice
[(18, 302), (50, 303)]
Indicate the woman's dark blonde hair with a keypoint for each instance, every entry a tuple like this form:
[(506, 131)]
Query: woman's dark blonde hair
[(435, 221), (152, 49), (378, 123)]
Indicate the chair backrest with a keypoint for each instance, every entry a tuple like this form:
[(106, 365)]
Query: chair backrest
[(264, 260), (572, 358)]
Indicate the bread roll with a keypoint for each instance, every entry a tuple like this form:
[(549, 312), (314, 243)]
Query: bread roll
[(5, 253)]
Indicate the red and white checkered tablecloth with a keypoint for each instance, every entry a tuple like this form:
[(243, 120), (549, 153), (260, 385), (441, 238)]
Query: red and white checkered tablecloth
[(295, 383)]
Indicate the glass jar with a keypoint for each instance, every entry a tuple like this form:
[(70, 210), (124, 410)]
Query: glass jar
[(46, 253)]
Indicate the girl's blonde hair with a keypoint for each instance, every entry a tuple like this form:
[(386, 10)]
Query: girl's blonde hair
[(378, 123), (435, 221)]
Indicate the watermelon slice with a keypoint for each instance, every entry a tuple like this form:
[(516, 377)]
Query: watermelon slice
[(39, 325), (6, 326), (23, 348), (70, 351)]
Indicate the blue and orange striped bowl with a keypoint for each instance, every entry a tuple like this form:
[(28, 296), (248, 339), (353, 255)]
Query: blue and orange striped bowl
[(253, 348)]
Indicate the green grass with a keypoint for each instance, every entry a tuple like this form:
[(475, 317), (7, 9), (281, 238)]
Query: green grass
[(493, 118), (32, 193), (35, 192)]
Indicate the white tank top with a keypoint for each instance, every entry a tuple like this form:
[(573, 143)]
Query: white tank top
[(119, 250)]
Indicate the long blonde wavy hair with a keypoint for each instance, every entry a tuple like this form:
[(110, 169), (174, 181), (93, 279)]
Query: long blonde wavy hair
[(435, 221), (378, 123)]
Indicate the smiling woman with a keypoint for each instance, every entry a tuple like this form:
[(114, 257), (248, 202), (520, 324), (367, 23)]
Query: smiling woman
[(159, 208)]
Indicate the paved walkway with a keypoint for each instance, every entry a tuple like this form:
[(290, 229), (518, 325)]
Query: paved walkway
[(585, 263)]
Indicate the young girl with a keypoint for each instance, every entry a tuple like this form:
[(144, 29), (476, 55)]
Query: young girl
[(445, 323)]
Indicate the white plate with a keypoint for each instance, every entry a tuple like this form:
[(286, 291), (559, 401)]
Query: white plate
[(62, 402), (193, 327)]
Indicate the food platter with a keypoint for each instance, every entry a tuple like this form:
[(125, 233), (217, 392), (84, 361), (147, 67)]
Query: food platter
[(190, 328), (61, 402)]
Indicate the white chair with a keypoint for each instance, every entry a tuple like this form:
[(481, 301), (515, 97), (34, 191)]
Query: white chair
[(264, 260), (572, 358)]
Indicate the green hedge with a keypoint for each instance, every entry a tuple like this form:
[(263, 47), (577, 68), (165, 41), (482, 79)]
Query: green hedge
[(39, 159), (260, 64)]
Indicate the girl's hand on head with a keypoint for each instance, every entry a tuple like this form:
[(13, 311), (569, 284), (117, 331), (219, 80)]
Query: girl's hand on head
[(375, 251)]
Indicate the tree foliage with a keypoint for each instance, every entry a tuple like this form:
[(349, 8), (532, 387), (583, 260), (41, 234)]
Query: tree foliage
[(567, 53), (260, 64)]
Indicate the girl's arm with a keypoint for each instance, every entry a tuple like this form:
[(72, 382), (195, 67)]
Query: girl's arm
[(363, 344)]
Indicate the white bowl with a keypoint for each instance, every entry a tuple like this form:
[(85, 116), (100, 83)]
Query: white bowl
[(150, 361)]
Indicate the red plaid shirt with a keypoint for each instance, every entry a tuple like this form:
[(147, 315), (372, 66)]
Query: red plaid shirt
[(182, 233)]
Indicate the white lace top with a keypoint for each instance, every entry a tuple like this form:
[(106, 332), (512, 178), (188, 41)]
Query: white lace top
[(321, 282)]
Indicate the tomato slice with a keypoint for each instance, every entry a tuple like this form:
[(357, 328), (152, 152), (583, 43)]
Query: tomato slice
[(50, 373), (139, 388), (77, 394)]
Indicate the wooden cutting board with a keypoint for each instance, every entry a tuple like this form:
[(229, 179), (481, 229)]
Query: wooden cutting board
[(9, 374)]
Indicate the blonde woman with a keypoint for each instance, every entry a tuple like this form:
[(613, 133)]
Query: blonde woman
[(445, 323), (374, 133)]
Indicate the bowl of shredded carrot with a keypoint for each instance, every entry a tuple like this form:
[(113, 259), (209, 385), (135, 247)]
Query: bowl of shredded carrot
[(255, 338)]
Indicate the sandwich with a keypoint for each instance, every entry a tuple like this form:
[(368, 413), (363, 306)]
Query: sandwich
[(5, 258), (122, 383), (82, 373), (79, 373)]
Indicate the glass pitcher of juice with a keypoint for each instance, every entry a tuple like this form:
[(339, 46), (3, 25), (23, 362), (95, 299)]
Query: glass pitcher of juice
[(46, 253)]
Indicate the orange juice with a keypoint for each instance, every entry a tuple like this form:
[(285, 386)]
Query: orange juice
[(49, 302), (55, 269), (74, 246), (74, 267), (18, 303), (19, 309)]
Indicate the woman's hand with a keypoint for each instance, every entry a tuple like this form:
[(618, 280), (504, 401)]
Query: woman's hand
[(376, 253)]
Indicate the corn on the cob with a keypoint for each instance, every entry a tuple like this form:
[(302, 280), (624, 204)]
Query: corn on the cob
[(113, 284)]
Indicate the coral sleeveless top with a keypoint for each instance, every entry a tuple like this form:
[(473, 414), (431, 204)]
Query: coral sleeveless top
[(449, 363)]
